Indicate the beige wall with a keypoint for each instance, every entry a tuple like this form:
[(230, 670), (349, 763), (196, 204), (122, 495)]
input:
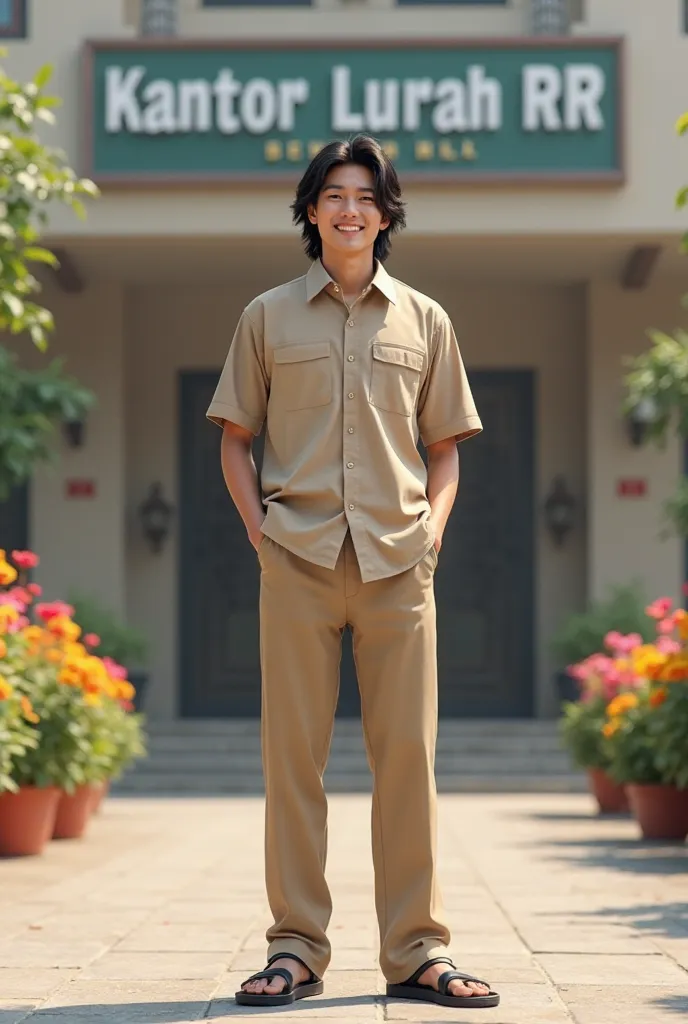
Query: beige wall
[(624, 532), (655, 96), (81, 540), (170, 329)]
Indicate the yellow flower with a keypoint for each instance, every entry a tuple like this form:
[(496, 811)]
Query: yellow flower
[(611, 727), (648, 662), (63, 627), (70, 676), (621, 704), (92, 700), (5, 689), (8, 615), (32, 633), (681, 618), (125, 690), (8, 573), (3, 648)]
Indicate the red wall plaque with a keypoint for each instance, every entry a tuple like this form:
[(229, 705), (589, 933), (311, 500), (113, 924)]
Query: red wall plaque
[(80, 488), (632, 487)]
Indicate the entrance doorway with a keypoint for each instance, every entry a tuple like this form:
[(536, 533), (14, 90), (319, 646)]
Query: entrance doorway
[(484, 581)]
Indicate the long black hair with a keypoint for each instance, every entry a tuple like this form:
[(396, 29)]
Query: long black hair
[(364, 150)]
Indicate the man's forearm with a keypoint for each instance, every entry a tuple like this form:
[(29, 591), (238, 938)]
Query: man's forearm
[(443, 484), (241, 477)]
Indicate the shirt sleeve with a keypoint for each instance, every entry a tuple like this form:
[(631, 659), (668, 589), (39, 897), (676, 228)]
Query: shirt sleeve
[(446, 407), (241, 395)]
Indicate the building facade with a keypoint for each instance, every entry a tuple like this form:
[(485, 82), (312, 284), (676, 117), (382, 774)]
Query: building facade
[(539, 170)]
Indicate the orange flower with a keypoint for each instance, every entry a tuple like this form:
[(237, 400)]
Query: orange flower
[(70, 676), (8, 615), (33, 633), (658, 696), (621, 704), (63, 627), (5, 689), (92, 700), (28, 711), (610, 728), (8, 573), (54, 656), (3, 648), (125, 690)]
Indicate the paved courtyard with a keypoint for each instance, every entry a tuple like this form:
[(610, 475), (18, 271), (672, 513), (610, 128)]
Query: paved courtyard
[(159, 914)]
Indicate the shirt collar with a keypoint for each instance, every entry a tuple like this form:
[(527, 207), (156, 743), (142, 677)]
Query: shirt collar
[(317, 279)]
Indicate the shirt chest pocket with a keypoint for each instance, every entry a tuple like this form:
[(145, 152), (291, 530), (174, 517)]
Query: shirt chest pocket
[(395, 378), (302, 376)]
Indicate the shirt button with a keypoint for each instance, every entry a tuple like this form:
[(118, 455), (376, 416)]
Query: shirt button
[(350, 323), (351, 430), (349, 465), (351, 358), (336, 287), (351, 394), (351, 508)]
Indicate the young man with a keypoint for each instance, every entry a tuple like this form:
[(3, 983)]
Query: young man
[(348, 366)]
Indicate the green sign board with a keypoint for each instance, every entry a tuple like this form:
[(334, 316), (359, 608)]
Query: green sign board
[(192, 112)]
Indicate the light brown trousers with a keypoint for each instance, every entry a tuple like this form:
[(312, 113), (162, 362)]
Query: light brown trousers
[(303, 611)]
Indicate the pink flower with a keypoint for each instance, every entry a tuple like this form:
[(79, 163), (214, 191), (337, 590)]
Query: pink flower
[(25, 559), (667, 645), (685, 589), (35, 588), (621, 644), (92, 640), (666, 627), (50, 609), (660, 608), (113, 669)]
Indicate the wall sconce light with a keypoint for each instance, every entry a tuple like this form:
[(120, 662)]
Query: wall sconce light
[(560, 510), (74, 432), (156, 515), (639, 419)]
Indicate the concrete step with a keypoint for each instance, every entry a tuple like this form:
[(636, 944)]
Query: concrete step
[(188, 727), (182, 745), (169, 783), (353, 760)]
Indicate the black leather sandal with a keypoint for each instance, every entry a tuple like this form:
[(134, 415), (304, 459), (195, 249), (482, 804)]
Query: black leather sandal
[(426, 993), (312, 987)]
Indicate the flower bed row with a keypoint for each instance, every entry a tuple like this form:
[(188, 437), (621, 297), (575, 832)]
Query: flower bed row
[(67, 720), (629, 727)]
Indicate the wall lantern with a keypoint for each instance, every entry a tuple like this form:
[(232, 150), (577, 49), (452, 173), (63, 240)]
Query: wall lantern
[(74, 432), (639, 419), (156, 515), (560, 509)]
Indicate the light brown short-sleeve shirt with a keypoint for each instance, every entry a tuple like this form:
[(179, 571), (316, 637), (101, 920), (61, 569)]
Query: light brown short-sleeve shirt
[(346, 394)]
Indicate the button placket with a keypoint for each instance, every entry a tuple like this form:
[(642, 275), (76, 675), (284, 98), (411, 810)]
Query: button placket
[(350, 439)]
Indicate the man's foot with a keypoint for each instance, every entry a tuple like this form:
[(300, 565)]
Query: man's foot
[(275, 986), (456, 987)]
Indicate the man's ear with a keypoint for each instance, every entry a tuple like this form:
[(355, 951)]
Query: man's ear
[(384, 223), (312, 214)]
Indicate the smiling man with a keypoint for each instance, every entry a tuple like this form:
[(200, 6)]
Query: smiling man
[(348, 366)]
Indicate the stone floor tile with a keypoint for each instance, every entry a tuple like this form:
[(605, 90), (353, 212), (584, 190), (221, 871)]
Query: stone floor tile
[(572, 939), (32, 982), (676, 948), (180, 938), (14, 1011), (148, 966), (36, 952), (593, 1004), (601, 969)]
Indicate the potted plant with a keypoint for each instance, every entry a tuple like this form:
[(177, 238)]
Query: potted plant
[(647, 732), (583, 635), (117, 641), (83, 720)]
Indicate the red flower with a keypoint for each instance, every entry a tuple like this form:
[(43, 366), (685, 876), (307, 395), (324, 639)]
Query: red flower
[(660, 609), (35, 588), (51, 609), (25, 559), (92, 640)]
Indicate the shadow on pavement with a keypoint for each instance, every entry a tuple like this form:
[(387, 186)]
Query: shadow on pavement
[(169, 1013), (669, 920), (675, 1004)]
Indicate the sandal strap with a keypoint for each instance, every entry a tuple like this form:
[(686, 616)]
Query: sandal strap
[(292, 956), (423, 968), (273, 972), (445, 980)]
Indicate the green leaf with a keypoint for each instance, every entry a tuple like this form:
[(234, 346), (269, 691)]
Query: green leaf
[(14, 304), (682, 198), (39, 255), (43, 75), (682, 124)]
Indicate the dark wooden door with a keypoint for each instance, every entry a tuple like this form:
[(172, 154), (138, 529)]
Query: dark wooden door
[(484, 582), (14, 520)]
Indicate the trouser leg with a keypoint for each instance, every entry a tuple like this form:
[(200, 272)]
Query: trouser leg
[(301, 618), (395, 649)]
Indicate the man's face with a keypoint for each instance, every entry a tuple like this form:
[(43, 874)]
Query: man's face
[(346, 215)]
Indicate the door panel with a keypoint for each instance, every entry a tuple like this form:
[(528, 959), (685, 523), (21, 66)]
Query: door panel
[(484, 581)]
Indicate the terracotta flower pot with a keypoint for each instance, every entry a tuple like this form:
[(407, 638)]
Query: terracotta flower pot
[(73, 812), (661, 811), (611, 797), (99, 791), (27, 819)]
